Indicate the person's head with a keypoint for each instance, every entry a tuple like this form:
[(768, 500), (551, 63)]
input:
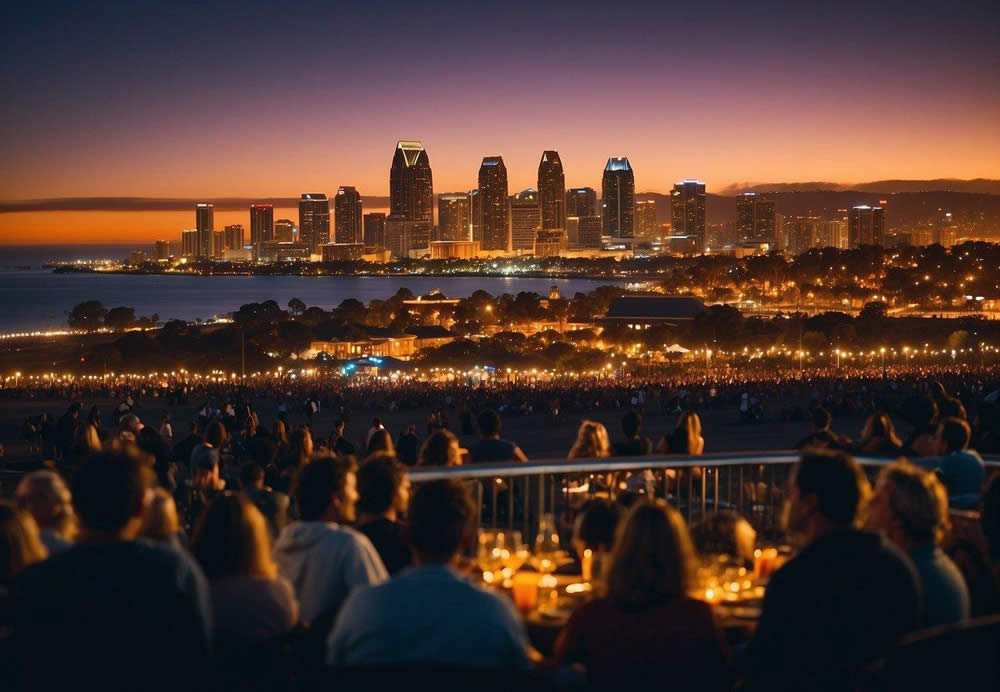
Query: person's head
[(302, 444), (384, 486), (910, 506), (216, 434), (327, 489), (725, 533), (381, 443), (131, 423), (439, 449), (596, 524), (879, 427), (591, 442), (822, 420), (953, 435), (110, 493), (631, 424), (950, 407), (920, 411), (231, 539), (251, 475), (20, 545), (159, 522), (489, 423), (46, 497), (440, 520), (205, 463), (652, 559), (376, 422), (687, 434), (826, 491)]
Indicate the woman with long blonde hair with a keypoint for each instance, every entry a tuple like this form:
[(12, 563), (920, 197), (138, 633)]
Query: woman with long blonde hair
[(20, 544), (685, 438), (592, 442)]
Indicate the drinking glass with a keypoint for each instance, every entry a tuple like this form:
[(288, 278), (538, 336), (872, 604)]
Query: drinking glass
[(513, 552), (490, 554), (547, 545)]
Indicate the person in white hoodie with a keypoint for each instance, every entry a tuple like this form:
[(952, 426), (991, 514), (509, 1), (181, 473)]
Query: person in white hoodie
[(323, 559)]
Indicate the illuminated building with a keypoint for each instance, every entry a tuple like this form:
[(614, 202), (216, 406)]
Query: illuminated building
[(204, 223), (218, 243), (525, 219), (802, 234), (589, 231), (866, 225), (189, 243), (234, 236), (347, 216), (273, 251), (552, 191), (493, 196), (832, 234), (285, 231), (581, 201), (618, 199), (454, 216), (687, 212), (314, 219), (261, 224), (342, 252), (164, 250), (404, 238), (454, 249), (411, 187), (645, 219), (476, 220), (549, 242), (137, 258), (755, 218), (374, 231)]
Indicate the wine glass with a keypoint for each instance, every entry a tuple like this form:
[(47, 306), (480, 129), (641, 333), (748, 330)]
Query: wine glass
[(489, 554), (514, 553), (547, 545)]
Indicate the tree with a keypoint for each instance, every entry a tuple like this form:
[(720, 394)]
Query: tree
[(296, 306), (120, 318), (87, 315)]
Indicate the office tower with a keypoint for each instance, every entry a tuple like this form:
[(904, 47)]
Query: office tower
[(780, 236), (218, 243), (476, 220), (549, 242), (234, 237), (581, 201), (189, 243), (687, 212), (261, 224), (404, 238), (589, 231), (755, 218), (285, 231), (645, 219), (411, 189), (454, 221), (832, 234), (552, 191), (618, 199), (493, 194), (164, 250), (866, 225), (204, 223), (347, 215), (314, 219), (374, 231), (524, 218), (802, 235)]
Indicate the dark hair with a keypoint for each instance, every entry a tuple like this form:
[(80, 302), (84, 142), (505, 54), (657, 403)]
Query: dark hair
[(836, 481), (381, 441), (598, 521), (440, 517), (108, 490), (716, 534), (379, 479), (950, 407), (489, 423), (216, 434), (437, 450), (250, 474), (316, 483), (231, 539), (821, 418), (956, 433), (631, 423), (920, 411)]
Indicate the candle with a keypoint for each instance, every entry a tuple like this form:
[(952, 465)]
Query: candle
[(525, 591), (765, 562), (587, 564)]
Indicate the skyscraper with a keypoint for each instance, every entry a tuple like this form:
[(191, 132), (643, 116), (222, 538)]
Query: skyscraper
[(347, 215), (189, 242), (618, 199), (552, 191), (866, 225), (374, 235), (454, 216), (261, 225), (755, 218), (164, 250), (234, 237), (589, 231), (525, 219), (411, 188), (314, 219), (645, 219), (687, 212), (581, 201), (204, 223), (284, 231), (493, 195), (803, 234), (476, 206)]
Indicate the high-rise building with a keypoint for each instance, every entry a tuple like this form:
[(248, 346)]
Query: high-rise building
[(411, 187), (618, 199), (285, 231), (374, 233), (524, 218), (234, 237), (687, 212), (552, 190), (549, 242), (189, 242), (261, 224), (866, 225), (755, 218), (493, 196), (347, 215), (314, 219), (802, 233), (476, 220), (204, 223), (218, 243), (164, 250), (645, 219), (833, 234), (405, 238), (581, 201), (589, 231), (454, 216)]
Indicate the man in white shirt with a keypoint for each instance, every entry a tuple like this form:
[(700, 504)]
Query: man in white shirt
[(430, 613), (323, 559)]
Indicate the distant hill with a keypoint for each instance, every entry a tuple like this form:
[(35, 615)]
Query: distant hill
[(981, 185), (158, 204)]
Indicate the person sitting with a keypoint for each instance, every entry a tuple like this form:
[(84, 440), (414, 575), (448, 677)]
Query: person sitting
[(112, 592), (643, 628), (685, 438), (385, 493), (822, 436), (490, 447), (251, 603), (430, 613), (271, 503), (960, 469), (381, 443), (878, 438), (921, 412), (844, 599), (408, 444), (20, 546), (339, 443), (911, 509), (160, 522), (592, 442), (594, 530), (440, 449), (45, 496), (634, 443), (725, 533), (322, 558)]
